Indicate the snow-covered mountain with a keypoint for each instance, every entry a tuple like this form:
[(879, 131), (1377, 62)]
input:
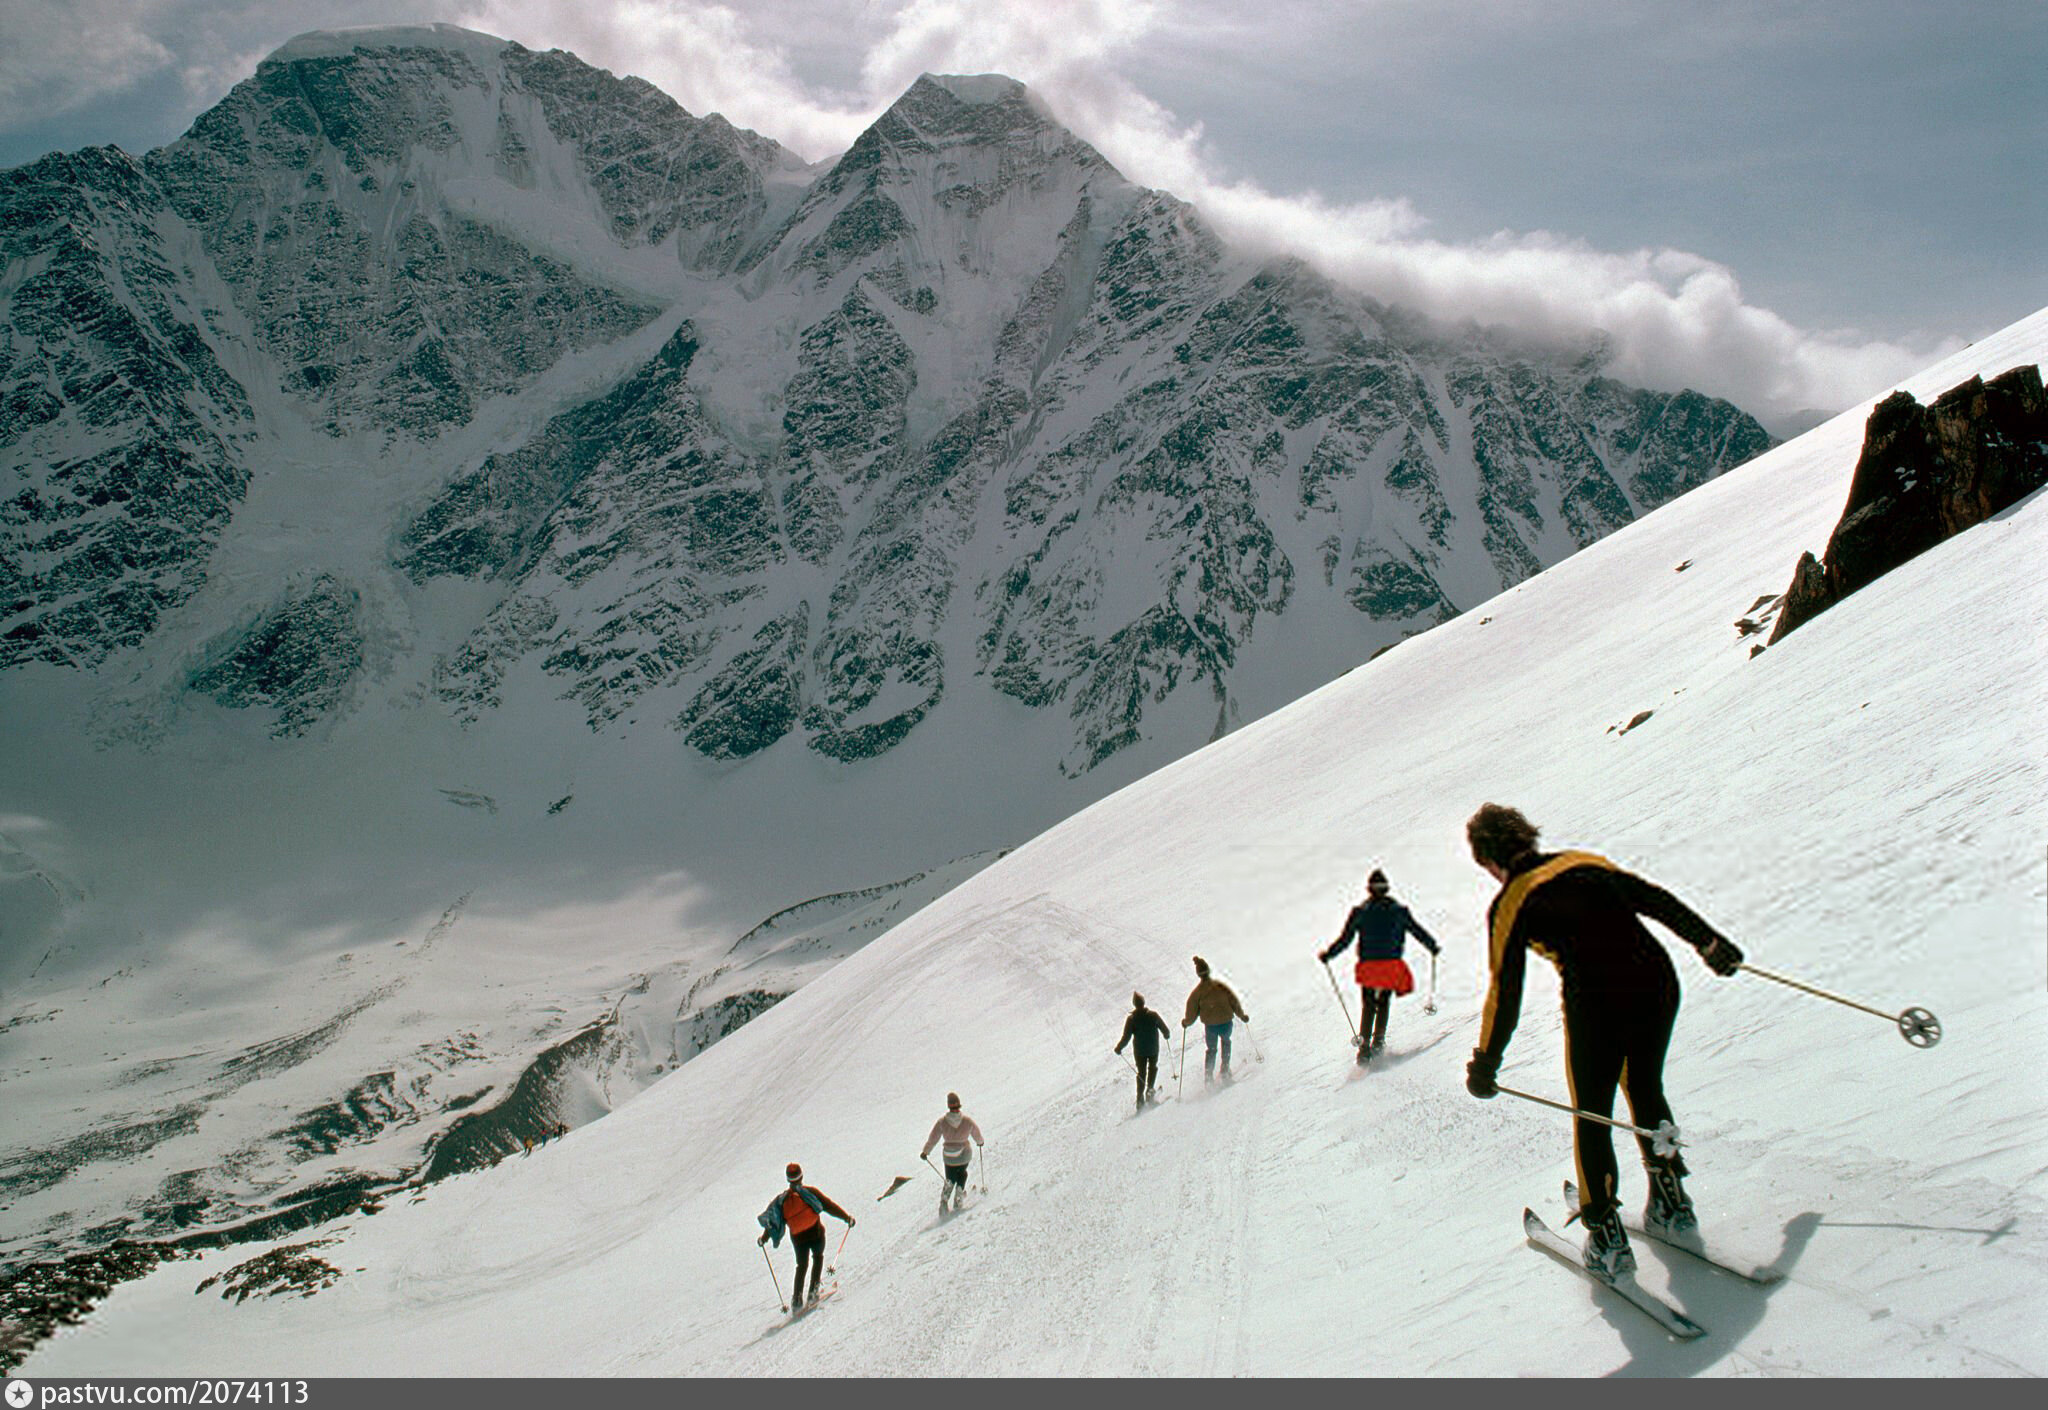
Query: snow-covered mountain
[(1860, 805), (975, 411), (476, 539)]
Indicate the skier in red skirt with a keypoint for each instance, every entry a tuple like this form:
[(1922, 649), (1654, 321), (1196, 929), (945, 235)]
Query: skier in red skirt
[(1381, 927)]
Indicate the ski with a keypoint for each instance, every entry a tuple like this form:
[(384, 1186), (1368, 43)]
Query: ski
[(1762, 1275), (1543, 1237), (799, 1312)]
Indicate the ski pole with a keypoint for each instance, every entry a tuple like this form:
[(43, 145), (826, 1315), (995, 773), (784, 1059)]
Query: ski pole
[(1127, 1062), (1346, 1008), (1429, 1004), (1663, 1141), (1257, 1056), (771, 1273), (1916, 1025), (1182, 1066), (830, 1268), (982, 1151)]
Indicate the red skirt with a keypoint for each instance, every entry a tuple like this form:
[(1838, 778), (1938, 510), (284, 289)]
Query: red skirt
[(1385, 974)]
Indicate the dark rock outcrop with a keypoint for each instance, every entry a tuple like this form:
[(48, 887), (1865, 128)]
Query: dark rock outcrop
[(1926, 474)]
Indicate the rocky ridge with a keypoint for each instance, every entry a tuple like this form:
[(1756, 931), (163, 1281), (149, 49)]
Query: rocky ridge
[(1018, 425)]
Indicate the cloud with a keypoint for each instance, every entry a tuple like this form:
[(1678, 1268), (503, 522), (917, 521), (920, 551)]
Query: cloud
[(1669, 318), (60, 56), (813, 73), (705, 56)]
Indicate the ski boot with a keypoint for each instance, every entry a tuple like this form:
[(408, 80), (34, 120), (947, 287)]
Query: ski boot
[(1669, 1214), (1607, 1254)]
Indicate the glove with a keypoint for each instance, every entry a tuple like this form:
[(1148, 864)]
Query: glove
[(851, 1222), (1479, 1075), (763, 1240), (1723, 957)]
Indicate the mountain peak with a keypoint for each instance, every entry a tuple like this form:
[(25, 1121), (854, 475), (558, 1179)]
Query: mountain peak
[(942, 108), (339, 43), (974, 88)]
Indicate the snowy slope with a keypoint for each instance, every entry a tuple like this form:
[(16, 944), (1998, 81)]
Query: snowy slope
[(1861, 805)]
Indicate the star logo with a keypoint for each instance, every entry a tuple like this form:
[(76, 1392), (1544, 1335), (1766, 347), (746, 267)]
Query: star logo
[(19, 1394)]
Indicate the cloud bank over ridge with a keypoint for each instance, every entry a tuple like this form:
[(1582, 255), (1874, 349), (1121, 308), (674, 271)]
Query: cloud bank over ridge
[(1669, 318), (813, 73)]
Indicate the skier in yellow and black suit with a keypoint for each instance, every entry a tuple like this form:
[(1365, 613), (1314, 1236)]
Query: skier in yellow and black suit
[(1620, 994)]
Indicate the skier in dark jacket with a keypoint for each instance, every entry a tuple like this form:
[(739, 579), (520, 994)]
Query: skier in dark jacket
[(1143, 1030), (800, 1209), (1579, 911), (1381, 927)]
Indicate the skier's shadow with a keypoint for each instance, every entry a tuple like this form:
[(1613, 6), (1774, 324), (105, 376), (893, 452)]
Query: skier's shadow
[(1729, 1307), (1389, 1060)]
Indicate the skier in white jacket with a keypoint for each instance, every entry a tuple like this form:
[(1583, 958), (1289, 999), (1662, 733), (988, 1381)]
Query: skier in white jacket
[(954, 1129)]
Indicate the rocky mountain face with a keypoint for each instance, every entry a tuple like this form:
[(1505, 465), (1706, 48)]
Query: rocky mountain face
[(125, 440), (980, 413), (453, 471), (1926, 474)]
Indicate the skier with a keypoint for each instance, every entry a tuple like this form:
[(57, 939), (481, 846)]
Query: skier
[(1620, 996), (1381, 927), (801, 1209), (954, 1128), (1212, 1001), (1143, 1030)]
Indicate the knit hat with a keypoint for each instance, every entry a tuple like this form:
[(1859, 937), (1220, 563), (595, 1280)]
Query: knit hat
[(1377, 881), (1201, 966), (1137, 999), (796, 1172), (953, 1101)]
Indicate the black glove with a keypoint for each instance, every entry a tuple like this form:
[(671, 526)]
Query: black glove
[(1722, 956), (1479, 1074), (850, 1223), (763, 1240)]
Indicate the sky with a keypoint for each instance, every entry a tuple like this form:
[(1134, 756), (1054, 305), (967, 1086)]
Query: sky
[(1788, 203)]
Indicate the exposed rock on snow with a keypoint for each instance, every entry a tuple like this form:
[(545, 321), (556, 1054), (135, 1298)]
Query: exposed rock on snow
[(1926, 473)]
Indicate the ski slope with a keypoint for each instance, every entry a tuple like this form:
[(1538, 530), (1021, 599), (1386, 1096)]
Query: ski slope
[(1863, 806)]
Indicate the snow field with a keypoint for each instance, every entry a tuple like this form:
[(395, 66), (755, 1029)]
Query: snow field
[(1861, 806)]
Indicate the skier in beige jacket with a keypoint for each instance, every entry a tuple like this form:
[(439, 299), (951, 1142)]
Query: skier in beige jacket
[(1214, 1003)]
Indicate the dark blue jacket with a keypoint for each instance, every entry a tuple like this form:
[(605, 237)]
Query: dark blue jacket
[(1380, 926), (1143, 1030)]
